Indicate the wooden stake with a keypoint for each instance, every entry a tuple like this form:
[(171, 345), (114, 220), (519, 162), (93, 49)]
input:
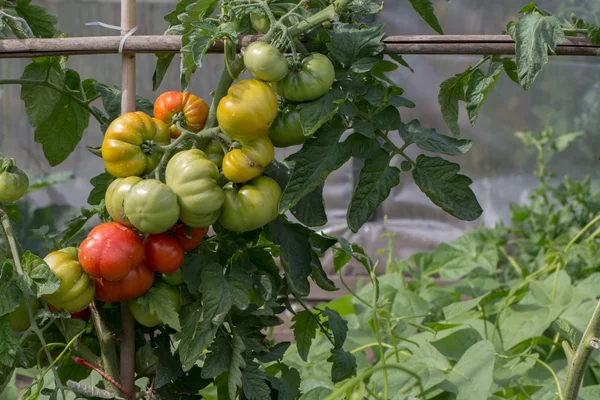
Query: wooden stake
[(128, 22)]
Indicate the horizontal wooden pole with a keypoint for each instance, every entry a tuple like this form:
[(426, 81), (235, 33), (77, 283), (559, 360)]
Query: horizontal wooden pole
[(419, 44)]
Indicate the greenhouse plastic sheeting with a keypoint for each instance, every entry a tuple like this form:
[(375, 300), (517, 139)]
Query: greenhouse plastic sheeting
[(564, 96)]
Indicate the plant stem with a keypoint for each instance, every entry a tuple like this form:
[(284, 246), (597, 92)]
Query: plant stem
[(575, 31), (107, 346), (375, 310), (327, 14), (82, 103), (16, 255), (579, 362)]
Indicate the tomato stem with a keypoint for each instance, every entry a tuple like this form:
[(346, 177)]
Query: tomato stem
[(107, 345), (85, 363)]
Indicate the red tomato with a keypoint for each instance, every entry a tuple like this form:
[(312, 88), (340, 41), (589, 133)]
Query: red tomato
[(135, 284), (189, 108), (111, 251), (163, 253), (188, 238)]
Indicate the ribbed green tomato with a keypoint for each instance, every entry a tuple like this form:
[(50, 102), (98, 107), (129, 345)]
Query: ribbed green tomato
[(18, 320), (141, 310), (286, 130), (260, 22), (129, 145), (265, 62), (248, 110), (311, 80), (242, 165), (13, 182), (115, 198), (193, 178), (214, 152), (76, 290), (252, 206), (151, 206)]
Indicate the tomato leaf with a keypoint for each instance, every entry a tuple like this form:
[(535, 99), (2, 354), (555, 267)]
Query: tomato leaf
[(283, 388), (275, 353), (350, 43), (254, 383), (305, 330), (429, 139), (376, 180), (510, 67), (362, 146), (314, 162), (451, 91), (38, 277), (479, 87), (310, 210), (8, 343), (100, 183), (164, 310), (38, 18), (163, 61), (41, 100), (195, 45), (316, 113), (440, 181), (535, 36), (594, 34), (426, 11), (319, 275), (193, 263), (11, 297), (344, 365), (168, 368), (111, 101), (337, 325), (235, 365)]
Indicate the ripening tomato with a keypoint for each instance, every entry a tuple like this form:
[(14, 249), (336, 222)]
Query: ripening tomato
[(309, 81), (214, 152), (252, 206), (13, 182), (143, 313), (248, 110), (129, 145), (115, 196), (136, 283), (187, 108), (188, 238), (163, 253), (286, 130), (18, 319), (174, 278), (265, 62), (110, 251), (261, 22), (151, 206), (242, 165)]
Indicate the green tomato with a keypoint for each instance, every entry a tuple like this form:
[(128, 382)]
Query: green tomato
[(286, 130), (19, 319), (151, 206), (13, 182), (252, 206), (115, 197), (193, 178), (260, 22), (265, 62), (311, 80), (174, 278), (214, 152), (141, 309)]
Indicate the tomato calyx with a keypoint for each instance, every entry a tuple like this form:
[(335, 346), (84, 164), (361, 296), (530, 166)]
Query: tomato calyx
[(6, 163), (236, 145), (150, 147)]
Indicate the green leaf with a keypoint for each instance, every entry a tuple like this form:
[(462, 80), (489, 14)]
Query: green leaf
[(100, 183), (41, 100), (154, 302), (38, 276), (362, 146), (46, 179), (163, 61), (234, 373), (350, 43), (318, 393), (197, 11), (111, 101), (295, 253), (320, 111), (314, 162), (451, 91), (195, 45), (564, 140), (375, 182), (510, 67), (193, 264), (594, 34), (364, 128), (388, 119), (219, 358), (38, 18), (479, 87), (145, 361), (254, 384), (456, 309), (429, 139), (398, 58), (337, 325), (473, 374), (305, 330), (8, 343), (11, 297), (168, 368), (340, 259), (425, 10), (535, 35), (319, 275), (282, 386), (440, 181), (76, 224), (275, 353), (344, 365), (310, 210)]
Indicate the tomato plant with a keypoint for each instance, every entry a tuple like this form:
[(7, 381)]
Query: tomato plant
[(322, 82)]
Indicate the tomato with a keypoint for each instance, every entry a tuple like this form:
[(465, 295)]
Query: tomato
[(188, 238), (193, 178), (214, 152), (248, 110), (110, 251), (287, 128), (129, 145), (163, 253), (13, 182), (174, 278), (144, 314), (265, 62), (135, 284), (115, 196), (151, 206), (260, 22), (311, 80), (242, 165), (76, 290), (252, 206), (18, 320), (189, 108)]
